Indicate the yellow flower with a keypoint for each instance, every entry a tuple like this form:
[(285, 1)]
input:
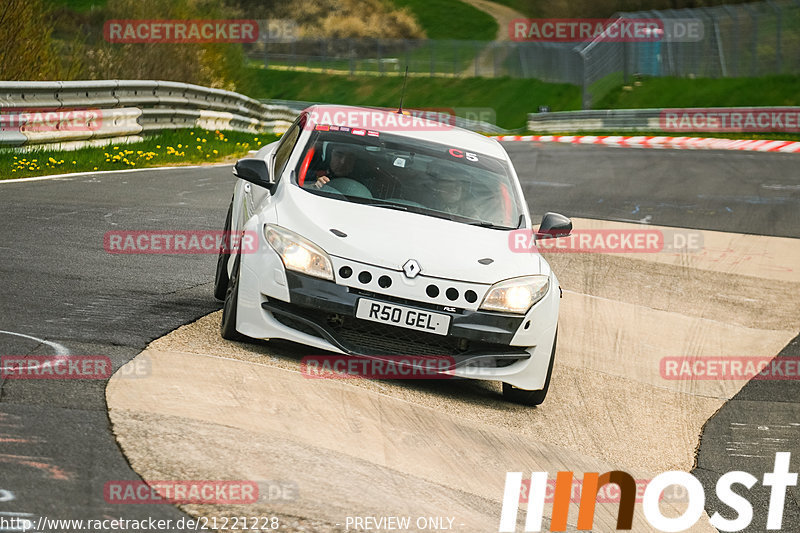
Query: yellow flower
[(158, 146)]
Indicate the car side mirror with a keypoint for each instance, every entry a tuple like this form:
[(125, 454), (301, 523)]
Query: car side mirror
[(255, 171), (553, 226)]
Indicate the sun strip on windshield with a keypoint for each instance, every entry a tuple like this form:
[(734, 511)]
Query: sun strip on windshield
[(304, 167)]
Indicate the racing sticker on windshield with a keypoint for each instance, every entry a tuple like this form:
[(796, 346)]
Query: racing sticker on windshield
[(323, 127), (334, 128), (359, 132), (373, 133), (469, 156)]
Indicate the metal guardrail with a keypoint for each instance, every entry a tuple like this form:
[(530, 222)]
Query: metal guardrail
[(617, 120), (73, 114), (595, 120)]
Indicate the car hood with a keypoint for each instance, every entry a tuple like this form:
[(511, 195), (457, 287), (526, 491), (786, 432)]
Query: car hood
[(388, 238)]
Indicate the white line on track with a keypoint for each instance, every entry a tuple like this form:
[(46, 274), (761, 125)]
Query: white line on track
[(59, 349), (95, 172)]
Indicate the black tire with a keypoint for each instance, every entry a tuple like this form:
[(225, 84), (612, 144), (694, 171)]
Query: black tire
[(531, 397), (221, 279), (227, 326)]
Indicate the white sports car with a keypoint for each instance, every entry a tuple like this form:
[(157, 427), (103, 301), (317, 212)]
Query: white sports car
[(378, 244)]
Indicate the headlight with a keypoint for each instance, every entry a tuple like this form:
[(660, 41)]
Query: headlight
[(516, 295), (297, 253)]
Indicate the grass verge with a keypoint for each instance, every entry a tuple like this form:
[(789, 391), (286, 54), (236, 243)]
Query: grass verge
[(510, 99), (171, 148), (781, 90)]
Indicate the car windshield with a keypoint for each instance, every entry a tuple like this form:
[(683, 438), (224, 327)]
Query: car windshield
[(396, 172)]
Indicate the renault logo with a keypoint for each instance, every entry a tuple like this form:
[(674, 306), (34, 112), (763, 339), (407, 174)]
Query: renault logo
[(411, 268)]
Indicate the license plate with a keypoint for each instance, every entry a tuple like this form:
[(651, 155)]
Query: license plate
[(404, 317)]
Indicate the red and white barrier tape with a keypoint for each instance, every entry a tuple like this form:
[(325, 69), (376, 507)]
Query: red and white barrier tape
[(687, 143)]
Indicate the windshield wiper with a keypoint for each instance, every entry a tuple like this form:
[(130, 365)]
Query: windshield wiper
[(390, 206), (485, 224)]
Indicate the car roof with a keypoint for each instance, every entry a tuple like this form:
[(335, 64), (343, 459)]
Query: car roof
[(424, 129)]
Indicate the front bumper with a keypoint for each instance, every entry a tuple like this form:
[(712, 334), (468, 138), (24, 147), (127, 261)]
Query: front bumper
[(278, 304), (326, 310)]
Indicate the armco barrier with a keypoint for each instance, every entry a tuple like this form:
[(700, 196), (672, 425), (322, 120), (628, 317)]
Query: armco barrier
[(596, 120), (43, 114), (613, 120)]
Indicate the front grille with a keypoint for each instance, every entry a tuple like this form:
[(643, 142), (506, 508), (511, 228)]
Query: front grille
[(367, 338)]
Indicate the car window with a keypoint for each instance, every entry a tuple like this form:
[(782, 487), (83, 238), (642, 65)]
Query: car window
[(411, 175), (286, 146)]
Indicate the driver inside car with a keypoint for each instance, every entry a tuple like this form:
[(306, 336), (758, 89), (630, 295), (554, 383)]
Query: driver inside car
[(342, 162)]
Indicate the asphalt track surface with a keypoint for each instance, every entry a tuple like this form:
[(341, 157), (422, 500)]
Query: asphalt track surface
[(60, 286)]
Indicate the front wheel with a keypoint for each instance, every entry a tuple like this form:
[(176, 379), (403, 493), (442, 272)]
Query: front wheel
[(531, 397), (221, 280), (227, 327)]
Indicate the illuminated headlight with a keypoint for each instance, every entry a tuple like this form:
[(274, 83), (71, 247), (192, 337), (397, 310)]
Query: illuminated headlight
[(297, 253), (516, 295)]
